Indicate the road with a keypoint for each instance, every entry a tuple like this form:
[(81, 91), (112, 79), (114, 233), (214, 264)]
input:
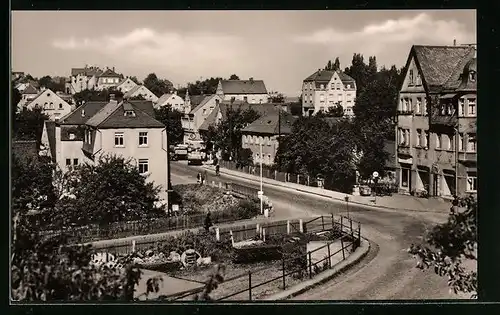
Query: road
[(387, 272)]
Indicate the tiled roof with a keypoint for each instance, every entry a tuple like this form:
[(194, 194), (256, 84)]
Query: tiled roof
[(203, 102), (145, 106), (438, 63), (326, 76), (132, 91), (109, 73), (89, 72), (112, 116), (25, 149), (271, 124), (75, 117), (243, 87), (459, 79), (196, 100), (30, 90)]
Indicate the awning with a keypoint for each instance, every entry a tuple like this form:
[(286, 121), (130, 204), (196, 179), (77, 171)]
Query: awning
[(447, 96)]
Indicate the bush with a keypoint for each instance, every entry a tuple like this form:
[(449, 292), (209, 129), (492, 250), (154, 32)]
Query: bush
[(246, 209), (252, 254)]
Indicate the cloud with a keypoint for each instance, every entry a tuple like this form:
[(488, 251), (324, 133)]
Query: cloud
[(373, 38), (168, 51)]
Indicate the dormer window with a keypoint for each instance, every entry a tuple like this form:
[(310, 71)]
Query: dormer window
[(472, 76), (129, 113), (83, 112)]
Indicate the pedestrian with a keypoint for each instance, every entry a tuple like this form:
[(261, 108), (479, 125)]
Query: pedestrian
[(217, 170), (204, 177), (198, 177), (208, 222)]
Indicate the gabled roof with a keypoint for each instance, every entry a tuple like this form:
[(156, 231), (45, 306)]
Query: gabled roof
[(196, 99), (50, 126), (164, 98), (132, 91), (202, 103), (109, 73), (326, 76), (112, 116), (243, 87), (89, 72), (271, 123), (437, 63), (459, 79), (75, 117), (30, 90)]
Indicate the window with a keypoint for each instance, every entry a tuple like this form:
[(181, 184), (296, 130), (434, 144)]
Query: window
[(245, 98), (256, 156), (348, 86), (143, 138), (268, 140), (418, 105), (332, 86), (60, 106), (419, 80), (143, 166), (447, 143), (407, 137), (119, 139), (322, 86), (405, 177), (338, 86), (129, 113), (461, 107), (48, 94), (472, 76), (269, 158), (322, 98), (438, 141), (460, 141), (426, 139), (471, 182), (471, 142), (71, 136), (411, 78), (68, 162), (419, 137), (45, 105), (472, 107), (410, 105), (75, 162)]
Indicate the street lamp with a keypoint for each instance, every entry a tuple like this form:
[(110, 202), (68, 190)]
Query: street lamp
[(169, 181)]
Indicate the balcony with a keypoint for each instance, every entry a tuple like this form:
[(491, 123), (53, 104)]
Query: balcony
[(404, 150), (437, 118), (465, 157)]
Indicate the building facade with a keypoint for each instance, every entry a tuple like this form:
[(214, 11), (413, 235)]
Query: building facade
[(174, 100), (437, 115), (126, 85), (192, 121), (83, 79), (250, 91), (325, 89), (141, 91), (52, 104), (108, 79)]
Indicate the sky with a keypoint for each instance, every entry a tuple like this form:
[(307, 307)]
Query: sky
[(280, 47)]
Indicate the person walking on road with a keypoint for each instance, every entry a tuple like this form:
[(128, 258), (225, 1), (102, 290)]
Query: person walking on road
[(198, 177), (217, 170)]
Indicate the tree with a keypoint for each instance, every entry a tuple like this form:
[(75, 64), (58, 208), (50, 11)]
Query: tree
[(15, 99), (316, 148), (278, 98), (358, 71), (372, 67), (137, 98), (28, 124), (157, 86), (449, 245), (51, 84), (333, 111), (328, 65), (110, 191), (234, 77), (173, 122), (91, 95), (336, 64), (134, 78)]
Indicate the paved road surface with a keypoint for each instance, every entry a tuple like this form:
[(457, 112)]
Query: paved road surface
[(388, 272)]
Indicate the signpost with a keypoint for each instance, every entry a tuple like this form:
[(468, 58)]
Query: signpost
[(375, 180)]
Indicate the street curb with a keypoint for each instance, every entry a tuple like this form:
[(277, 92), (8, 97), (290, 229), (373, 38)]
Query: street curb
[(283, 185), (325, 276)]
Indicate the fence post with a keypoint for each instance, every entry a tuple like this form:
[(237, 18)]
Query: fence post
[(333, 222), (301, 226), (263, 234), (257, 228), (308, 183), (341, 224), (217, 234), (283, 266), (322, 223), (359, 231), (310, 266), (133, 246), (342, 244), (329, 257), (249, 285), (287, 226), (275, 174), (352, 232), (286, 177), (232, 238), (298, 178)]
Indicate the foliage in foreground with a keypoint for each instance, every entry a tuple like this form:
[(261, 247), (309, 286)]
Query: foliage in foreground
[(449, 244)]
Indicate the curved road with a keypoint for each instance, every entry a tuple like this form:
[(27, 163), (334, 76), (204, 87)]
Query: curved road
[(387, 272)]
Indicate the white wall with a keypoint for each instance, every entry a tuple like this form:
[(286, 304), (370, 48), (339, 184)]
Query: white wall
[(127, 86), (251, 98), (53, 105), (176, 101)]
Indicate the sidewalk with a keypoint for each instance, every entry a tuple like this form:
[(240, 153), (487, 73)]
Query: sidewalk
[(394, 202)]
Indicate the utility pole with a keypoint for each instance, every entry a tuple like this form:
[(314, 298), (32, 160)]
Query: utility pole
[(169, 181), (231, 130), (261, 192)]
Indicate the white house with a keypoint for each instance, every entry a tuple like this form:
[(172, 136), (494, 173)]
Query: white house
[(53, 105), (141, 90), (192, 121), (126, 85), (325, 89), (171, 99), (250, 91), (83, 79)]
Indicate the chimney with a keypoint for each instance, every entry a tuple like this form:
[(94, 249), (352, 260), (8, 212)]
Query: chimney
[(113, 69), (454, 42)]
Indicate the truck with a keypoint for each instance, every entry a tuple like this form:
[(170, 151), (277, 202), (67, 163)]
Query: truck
[(181, 152), (195, 157)]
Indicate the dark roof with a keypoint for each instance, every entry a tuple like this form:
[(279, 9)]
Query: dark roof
[(75, 117), (93, 71), (110, 73), (196, 100), (460, 79), (51, 134), (145, 106), (270, 123), (112, 116), (243, 87), (389, 147), (30, 90), (326, 76), (438, 63), (203, 102)]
